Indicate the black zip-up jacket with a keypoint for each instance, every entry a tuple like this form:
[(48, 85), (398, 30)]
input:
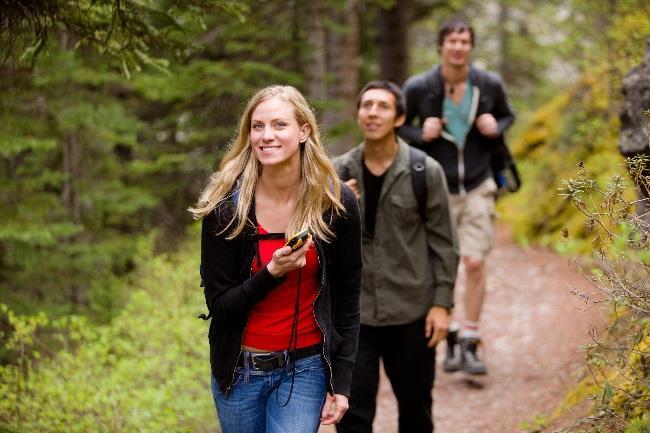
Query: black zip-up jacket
[(465, 169), (231, 290)]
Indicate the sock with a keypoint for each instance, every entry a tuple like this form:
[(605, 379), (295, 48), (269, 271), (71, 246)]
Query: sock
[(470, 330)]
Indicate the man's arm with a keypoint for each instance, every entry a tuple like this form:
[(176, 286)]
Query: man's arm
[(441, 235), (502, 110), (444, 257)]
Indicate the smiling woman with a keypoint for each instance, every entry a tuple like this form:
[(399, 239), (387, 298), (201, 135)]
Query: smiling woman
[(275, 134), (274, 328)]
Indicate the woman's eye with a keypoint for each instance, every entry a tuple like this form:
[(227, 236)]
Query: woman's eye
[(281, 124), (257, 126)]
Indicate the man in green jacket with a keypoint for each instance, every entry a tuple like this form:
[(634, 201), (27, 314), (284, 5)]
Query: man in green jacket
[(409, 265)]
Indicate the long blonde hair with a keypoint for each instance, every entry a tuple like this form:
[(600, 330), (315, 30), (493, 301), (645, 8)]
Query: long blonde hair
[(319, 189)]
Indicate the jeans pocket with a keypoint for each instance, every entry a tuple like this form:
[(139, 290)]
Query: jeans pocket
[(312, 363), (239, 377)]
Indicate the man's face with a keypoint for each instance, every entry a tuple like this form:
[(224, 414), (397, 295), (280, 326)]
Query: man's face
[(377, 115), (456, 49)]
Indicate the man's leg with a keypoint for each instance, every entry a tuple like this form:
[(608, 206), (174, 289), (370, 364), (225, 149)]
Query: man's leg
[(475, 222), (410, 366), (474, 297), (365, 381), (474, 287)]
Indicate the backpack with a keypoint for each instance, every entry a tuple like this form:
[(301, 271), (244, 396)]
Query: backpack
[(504, 168), (418, 179)]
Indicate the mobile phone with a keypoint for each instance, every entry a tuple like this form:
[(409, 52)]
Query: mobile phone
[(298, 240)]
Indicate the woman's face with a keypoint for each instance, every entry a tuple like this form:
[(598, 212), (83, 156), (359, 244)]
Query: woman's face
[(275, 134)]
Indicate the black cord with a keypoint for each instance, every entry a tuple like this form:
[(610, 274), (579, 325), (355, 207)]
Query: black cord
[(293, 345)]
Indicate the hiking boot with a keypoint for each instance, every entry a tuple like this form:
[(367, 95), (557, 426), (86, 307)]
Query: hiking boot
[(470, 362), (453, 359)]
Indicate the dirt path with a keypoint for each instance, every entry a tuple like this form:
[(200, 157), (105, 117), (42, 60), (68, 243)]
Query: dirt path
[(533, 327)]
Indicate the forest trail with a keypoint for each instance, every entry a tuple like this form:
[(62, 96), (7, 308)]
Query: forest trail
[(533, 327)]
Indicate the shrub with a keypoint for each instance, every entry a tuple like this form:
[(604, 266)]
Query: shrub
[(619, 356)]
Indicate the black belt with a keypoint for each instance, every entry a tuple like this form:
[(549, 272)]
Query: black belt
[(267, 361)]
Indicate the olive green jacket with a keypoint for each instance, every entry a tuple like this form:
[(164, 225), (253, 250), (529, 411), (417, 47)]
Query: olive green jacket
[(408, 266)]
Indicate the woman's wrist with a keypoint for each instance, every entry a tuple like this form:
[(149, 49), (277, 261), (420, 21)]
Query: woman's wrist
[(273, 270)]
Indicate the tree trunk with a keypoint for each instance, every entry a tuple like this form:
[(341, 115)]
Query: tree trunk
[(316, 59), (343, 55), (504, 59), (71, 159), (72, 172), (393, 42), (70, 197)]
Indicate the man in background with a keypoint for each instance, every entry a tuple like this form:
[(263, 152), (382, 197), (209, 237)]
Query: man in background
[(458, 115), (410, 259)]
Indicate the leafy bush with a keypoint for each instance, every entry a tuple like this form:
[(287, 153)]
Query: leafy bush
[(619, 356), (146, 371)]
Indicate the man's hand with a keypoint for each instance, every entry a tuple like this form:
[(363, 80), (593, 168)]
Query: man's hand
[(334, 408), (354, 186), (431, 128), (487, 125), (436, 325)]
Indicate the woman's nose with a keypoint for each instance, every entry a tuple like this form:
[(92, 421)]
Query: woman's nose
[(267, 134)]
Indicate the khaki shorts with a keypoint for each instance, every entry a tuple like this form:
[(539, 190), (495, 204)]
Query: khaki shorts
[(474, 215)]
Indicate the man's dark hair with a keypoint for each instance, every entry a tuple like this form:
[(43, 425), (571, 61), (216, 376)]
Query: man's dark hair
[(457, 24), (400, 100)]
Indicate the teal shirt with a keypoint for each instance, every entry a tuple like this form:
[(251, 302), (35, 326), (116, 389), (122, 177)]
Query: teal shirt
[(458, 116)]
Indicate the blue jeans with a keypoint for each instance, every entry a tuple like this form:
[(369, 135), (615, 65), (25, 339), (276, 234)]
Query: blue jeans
[(255, 402)]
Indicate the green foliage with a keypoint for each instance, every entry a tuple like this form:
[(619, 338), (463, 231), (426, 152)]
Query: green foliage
[(639, 425), (618, 356), (569, 128), (579, 124), (145, 371), (132, 33), (535, 425), (95, 161)]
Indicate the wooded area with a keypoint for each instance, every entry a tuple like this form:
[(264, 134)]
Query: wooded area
[(114, 112)]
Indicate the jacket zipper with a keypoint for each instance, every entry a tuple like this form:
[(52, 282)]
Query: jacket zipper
[(461, 173), (313, 311), (476, 93), (232, 380)]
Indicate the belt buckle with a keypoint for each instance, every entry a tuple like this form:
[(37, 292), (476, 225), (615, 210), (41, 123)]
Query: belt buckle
[(264, 363), (253, 359)]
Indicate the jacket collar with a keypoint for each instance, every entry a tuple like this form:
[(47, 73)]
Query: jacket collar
[(399, 165), (436, 83)]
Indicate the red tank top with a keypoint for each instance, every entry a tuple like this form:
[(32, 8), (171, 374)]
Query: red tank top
[(269, 322)]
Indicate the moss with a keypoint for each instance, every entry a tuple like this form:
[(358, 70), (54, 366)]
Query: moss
[(576, 125), (633, 396), (639, 425), (586, 388)]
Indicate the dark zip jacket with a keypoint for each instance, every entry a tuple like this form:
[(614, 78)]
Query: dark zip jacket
[(231, 290), (465, 169)]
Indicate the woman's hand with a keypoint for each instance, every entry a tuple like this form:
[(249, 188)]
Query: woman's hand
[(334, 408), (285, 260)]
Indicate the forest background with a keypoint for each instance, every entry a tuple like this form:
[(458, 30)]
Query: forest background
[(113, 113)]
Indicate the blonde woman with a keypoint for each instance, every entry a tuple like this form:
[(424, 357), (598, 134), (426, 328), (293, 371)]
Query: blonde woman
[(285, 323)]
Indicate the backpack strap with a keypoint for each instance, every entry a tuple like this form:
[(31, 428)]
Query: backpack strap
[(418, 179)]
